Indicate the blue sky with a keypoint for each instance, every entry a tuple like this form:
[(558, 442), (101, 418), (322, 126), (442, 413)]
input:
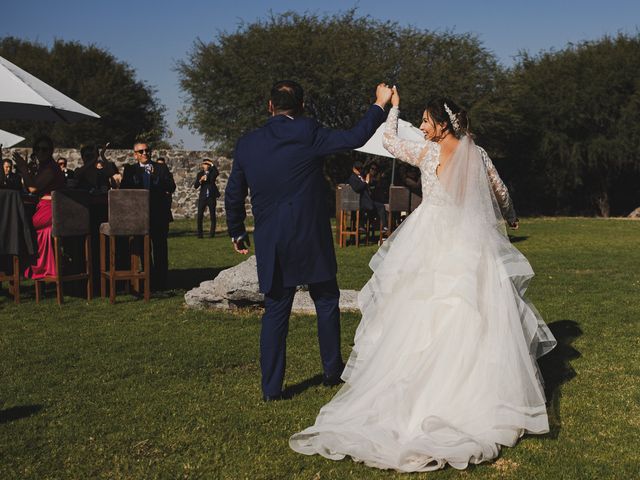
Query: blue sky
[(152, 35)]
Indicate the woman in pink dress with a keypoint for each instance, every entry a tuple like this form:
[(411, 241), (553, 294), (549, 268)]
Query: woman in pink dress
[(49, 177)]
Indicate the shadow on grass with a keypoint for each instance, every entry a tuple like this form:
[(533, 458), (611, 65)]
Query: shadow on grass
[(188, 232), (16, 413), (513, 239), (296, 389), (188, 278), (556, 369)]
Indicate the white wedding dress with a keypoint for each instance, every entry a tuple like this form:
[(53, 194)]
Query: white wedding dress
[(443, 369)]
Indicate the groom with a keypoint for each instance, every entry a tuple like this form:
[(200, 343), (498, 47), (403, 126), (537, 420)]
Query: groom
[(281, 165)]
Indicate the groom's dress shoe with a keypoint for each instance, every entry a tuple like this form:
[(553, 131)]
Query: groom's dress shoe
[(273, 398), (331, 381)]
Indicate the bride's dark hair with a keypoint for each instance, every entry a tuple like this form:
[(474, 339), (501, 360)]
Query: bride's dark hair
[(456, 120)]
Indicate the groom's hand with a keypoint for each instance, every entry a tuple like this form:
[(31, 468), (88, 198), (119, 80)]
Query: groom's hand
[(241, 244), (383, 94)]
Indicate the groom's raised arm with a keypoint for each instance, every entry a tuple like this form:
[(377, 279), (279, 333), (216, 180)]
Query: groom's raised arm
[(328, 141)]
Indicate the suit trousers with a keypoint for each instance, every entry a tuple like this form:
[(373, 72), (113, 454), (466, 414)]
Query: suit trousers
[(275, 327), (203, 204), (160, 256), (158, 234), (378, 211)]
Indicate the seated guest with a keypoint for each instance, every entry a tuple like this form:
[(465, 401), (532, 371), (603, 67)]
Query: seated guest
[(156, 178), (8, 178), (360, 185), (379, 184), (62, 163), (97, 174), (209, 193), (47, 178)]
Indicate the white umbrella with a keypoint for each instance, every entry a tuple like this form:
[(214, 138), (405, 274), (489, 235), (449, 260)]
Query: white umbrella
[(8, 139), (405, 131), (25, 97)]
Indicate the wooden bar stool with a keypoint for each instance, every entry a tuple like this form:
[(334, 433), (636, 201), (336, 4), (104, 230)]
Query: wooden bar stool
[(398, 203), (349, 208), (12, 276), (415, 202), (128, 217), (69, 218), (16, 240)]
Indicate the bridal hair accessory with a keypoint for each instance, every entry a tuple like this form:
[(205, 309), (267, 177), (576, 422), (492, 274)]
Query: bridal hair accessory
[(453, 118)]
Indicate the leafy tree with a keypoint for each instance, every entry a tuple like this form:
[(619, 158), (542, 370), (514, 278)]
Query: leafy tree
[(96, 79), (578, 127), (338, 59)]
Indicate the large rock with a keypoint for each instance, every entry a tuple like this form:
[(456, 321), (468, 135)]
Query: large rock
[(635, 213), (237, 287)]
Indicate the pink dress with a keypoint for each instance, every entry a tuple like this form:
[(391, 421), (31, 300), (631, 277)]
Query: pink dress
[(45, 264)]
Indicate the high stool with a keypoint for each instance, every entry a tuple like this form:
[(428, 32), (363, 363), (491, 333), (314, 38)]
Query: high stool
[(348, 206), (69, 218), (398, 204), (128, 217), (415, 201), (13, 278), (16, 240)]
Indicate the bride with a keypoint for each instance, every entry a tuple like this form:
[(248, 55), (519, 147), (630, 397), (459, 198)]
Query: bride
[(443, 370)]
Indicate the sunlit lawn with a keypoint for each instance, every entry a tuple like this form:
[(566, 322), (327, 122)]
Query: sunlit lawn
[(155, 390)]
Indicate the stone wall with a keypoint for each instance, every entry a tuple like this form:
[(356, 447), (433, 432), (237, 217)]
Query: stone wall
[(184, 164)]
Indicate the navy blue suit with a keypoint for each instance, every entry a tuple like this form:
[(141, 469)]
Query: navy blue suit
[(281, 164)]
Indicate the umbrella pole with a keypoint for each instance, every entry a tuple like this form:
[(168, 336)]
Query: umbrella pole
[(393, 170)]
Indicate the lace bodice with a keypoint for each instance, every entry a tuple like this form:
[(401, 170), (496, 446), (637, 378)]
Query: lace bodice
[(426, 156)]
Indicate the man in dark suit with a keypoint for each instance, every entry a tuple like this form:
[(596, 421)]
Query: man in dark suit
[(281, 163), (8, 178), (209, 193), (156, 178), (68, 173), (363, 185)]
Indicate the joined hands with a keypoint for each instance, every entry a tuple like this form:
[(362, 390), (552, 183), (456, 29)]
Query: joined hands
[(386, 94)]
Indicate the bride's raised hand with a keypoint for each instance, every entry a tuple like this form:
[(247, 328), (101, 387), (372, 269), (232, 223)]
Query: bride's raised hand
[(395, 97)]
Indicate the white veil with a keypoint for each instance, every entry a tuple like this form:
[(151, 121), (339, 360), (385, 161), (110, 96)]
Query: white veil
[(465, 179), (476, 217)]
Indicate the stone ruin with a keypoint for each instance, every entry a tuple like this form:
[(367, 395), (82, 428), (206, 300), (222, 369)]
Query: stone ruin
[(237, 287)]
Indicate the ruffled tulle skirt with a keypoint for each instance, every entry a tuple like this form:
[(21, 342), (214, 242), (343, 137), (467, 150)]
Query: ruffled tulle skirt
[(443, 369)]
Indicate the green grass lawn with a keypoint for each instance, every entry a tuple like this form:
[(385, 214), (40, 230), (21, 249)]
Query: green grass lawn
[(136, 390)]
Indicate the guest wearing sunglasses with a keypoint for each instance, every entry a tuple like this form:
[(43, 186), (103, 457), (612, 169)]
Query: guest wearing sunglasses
[(156, 178), (47, 178), (68, 173)]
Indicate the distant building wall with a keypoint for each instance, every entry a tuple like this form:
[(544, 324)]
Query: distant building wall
[(184, 164)]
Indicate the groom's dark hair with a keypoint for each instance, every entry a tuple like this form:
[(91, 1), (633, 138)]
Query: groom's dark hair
[(287, 97)]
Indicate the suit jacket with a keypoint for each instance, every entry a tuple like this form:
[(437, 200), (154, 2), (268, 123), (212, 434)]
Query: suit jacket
[(208, 189), (13, 181), (93, 178), (160, 185), (361, 187), (68, 173), (281, 163)]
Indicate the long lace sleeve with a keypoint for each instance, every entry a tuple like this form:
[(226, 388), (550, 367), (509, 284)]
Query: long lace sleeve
[(499, 189), (405, 150)]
